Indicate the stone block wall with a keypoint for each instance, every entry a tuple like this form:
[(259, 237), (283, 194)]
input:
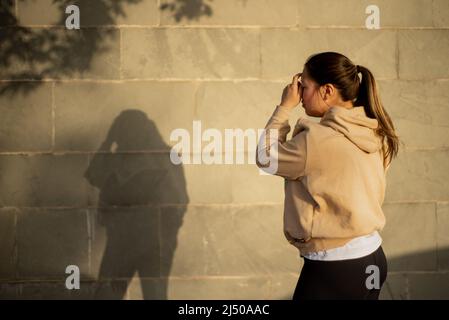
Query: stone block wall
[(86, 118)]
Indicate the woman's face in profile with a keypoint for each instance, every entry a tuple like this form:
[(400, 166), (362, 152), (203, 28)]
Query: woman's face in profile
[(310, 96)]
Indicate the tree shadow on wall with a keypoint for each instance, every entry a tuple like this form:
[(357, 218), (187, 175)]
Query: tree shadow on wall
[(188, 9), (141, 204), (35, 54)]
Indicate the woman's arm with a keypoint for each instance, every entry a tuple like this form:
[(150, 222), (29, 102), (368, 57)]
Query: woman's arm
[(287, 158), (277, 156)]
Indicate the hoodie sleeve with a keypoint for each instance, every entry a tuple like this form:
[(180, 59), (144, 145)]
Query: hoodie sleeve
[(291, 155)]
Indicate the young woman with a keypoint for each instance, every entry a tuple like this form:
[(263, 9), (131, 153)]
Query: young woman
[(335, 176)]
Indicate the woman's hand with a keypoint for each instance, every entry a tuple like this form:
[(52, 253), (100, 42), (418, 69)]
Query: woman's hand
[(292, 94)]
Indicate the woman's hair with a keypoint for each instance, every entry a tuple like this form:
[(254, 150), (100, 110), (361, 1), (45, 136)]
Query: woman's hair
[(337, 69)]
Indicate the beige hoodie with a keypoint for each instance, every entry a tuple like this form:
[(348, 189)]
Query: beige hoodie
[(334, 176)]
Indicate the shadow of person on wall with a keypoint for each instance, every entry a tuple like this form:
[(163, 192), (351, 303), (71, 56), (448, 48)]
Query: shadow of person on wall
[(141, 203)]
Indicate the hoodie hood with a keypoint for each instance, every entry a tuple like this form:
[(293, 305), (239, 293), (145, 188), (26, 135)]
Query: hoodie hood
[(355, 125)]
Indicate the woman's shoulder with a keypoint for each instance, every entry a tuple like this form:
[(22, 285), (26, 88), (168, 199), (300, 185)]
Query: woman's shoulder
[(312, 127)]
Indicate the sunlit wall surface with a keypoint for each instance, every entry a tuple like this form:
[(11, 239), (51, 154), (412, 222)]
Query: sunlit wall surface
[(87, 123)]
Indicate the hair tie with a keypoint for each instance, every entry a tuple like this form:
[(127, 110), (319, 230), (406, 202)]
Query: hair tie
[(357, 68)]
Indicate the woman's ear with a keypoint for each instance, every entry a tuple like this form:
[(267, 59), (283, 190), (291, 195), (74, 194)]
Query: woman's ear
[(323, 92), (328, 91)]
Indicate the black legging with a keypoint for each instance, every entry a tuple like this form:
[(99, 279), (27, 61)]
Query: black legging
[(342, 279)]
